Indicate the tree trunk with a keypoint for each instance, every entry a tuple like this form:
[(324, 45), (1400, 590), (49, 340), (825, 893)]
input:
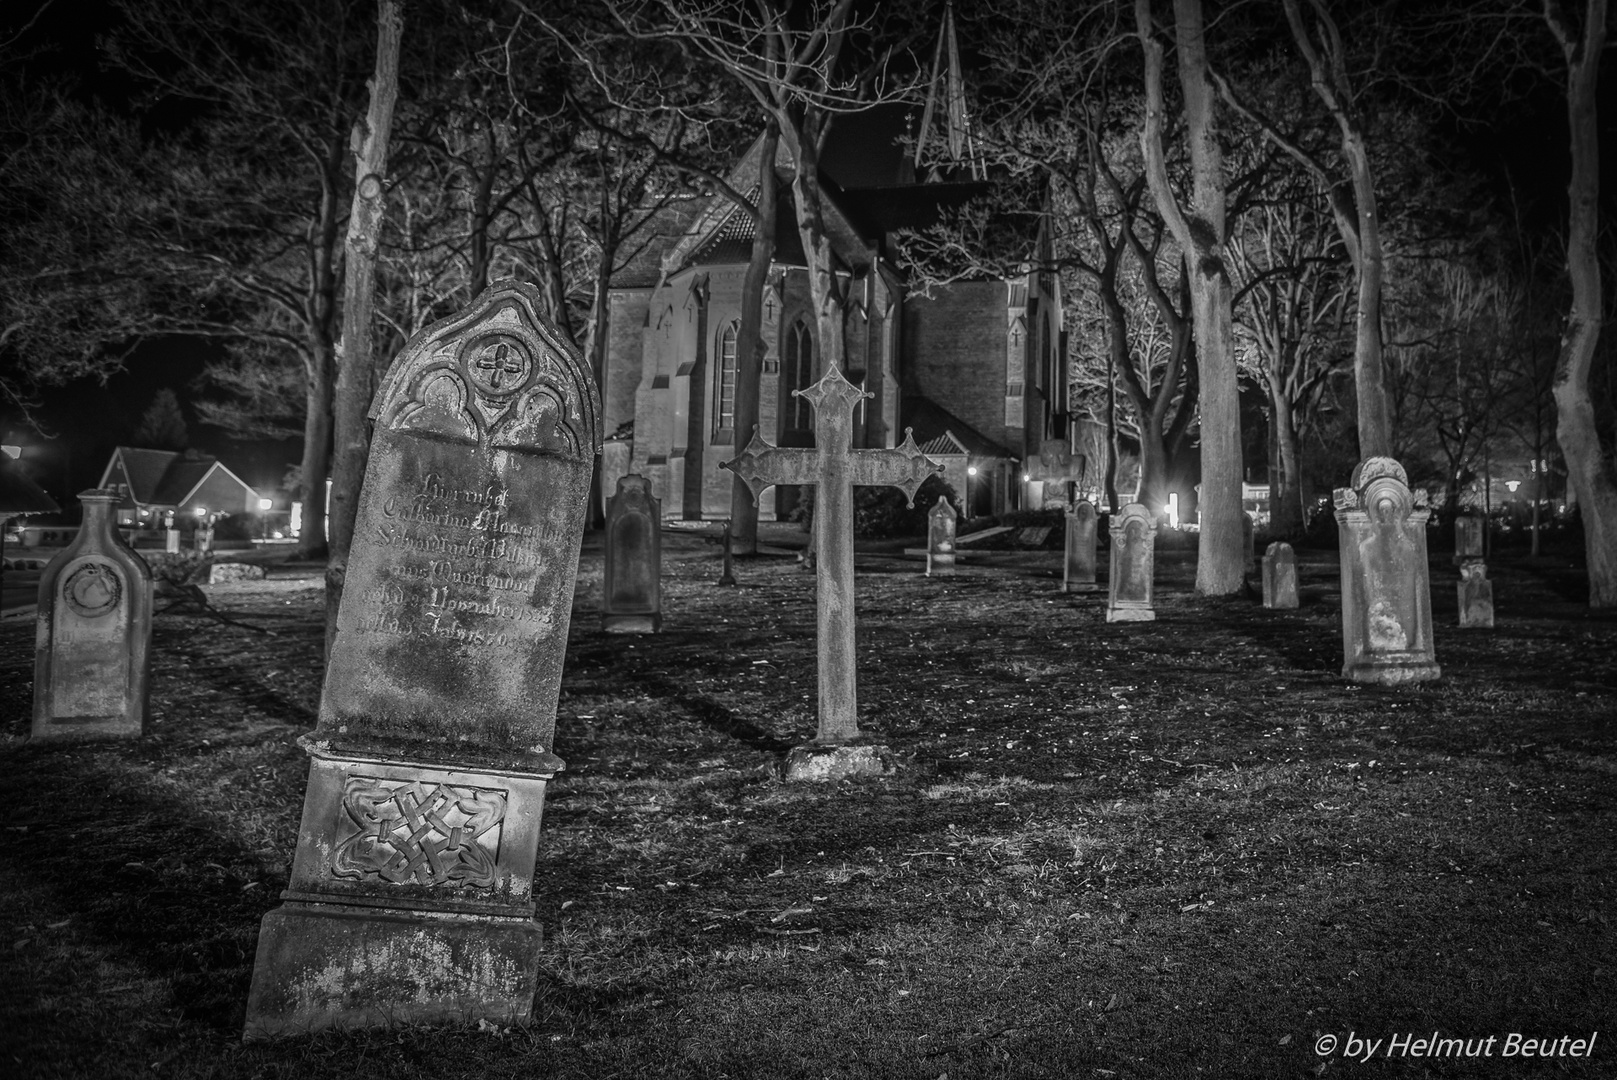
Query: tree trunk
[(824, 292), (316, 454), (1221, 562), (1591, 475), (750, 346), (351, 434), (1286, 479)]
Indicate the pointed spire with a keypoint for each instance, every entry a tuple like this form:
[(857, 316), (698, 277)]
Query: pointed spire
[(946, 83)]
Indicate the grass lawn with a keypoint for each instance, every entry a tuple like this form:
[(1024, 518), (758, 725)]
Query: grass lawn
[(1175, 849)]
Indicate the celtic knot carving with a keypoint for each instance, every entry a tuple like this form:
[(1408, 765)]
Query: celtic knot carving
[(417, 832)]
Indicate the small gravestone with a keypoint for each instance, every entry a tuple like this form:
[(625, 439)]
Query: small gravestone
[(1279, 576), (1468, 538), (1078, 569), (631, 597), (940, 526), (1476, 595), (92, 652), (1249, 549), (727, 576), (411, 898), (1133, 566), (1386, 585)]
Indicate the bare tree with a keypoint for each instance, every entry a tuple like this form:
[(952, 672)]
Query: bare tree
[(1201, 232), (1293, 306), (354, 383)]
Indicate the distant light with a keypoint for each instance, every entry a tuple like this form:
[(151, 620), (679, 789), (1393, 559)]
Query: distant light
[(1173, 510), (1026, 477), (201, 511), (971, 470), (265, 504), (1513, 485)]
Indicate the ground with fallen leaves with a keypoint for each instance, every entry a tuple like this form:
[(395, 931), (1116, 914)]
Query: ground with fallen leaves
[(1176, 849)]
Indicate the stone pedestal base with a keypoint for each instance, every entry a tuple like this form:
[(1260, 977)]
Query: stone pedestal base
[(813, 762), (340, 966), (1131, 614), (1079, 587), (631, 624), (1392, 669), (939, 563)]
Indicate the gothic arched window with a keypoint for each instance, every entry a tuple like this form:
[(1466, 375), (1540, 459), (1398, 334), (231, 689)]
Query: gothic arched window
[(724, 380), (799, 376)]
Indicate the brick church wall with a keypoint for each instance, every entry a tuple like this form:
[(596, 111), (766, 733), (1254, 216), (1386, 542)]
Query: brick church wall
[(954, 348)]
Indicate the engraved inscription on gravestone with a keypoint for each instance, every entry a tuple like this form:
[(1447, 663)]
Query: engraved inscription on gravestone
[(411, 898)]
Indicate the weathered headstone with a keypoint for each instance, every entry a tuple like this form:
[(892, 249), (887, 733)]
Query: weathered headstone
[(92, 644), (1078, 568), (1056, 464), (1249, 549), (834, 467), (1279, 576), (1468, 538), (1476, 595), (1386, 585), (1133, 566), (631, 593), (940, 526), (411, 899)]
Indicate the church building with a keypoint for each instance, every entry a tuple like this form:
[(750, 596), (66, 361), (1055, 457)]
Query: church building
[(975, 368)]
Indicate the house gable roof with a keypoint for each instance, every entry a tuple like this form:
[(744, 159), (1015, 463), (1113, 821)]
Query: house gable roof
[(165, 477)]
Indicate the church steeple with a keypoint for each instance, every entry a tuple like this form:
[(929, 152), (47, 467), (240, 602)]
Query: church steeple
[(946, 84)]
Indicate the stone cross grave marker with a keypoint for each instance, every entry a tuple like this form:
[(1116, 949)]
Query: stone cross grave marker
[(92, 651), (1386, 585), (1078, 567), (411, 899), (631, 591), (1279, 576), (834, 467), (1476, 595), (941, 521), (1133, 566)]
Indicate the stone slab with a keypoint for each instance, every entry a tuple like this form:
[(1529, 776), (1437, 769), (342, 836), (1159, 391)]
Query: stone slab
[(815, 763)]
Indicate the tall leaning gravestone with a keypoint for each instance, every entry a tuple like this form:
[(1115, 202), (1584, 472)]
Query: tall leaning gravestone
[(411, 899), (92, 652)]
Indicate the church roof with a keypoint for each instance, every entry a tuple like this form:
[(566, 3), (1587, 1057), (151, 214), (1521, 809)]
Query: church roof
[(731, 242), (939, 431)]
